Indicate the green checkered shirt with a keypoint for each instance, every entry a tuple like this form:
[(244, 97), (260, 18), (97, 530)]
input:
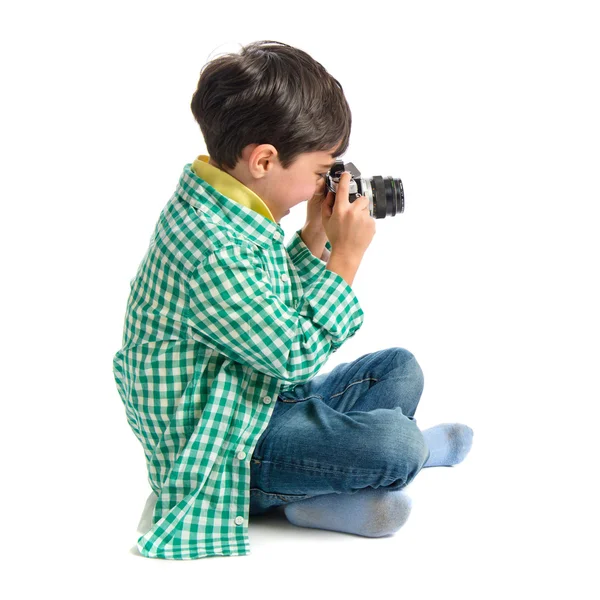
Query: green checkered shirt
[(221, 318)]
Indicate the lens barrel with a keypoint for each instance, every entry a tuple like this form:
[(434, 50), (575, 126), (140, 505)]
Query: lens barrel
[(388, 196)]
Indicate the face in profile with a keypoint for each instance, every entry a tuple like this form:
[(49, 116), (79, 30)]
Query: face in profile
[(282, 189)]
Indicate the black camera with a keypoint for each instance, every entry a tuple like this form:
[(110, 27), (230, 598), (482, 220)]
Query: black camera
[(385, 194)]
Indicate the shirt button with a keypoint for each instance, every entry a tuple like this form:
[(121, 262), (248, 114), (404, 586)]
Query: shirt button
[(239, 520), (284, 277), (241, 455), (267, 400)]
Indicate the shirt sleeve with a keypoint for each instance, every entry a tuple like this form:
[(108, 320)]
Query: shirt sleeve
[(306, 263), (234, 310)]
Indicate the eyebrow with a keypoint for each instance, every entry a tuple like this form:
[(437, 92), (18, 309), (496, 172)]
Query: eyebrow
[(327, 166)]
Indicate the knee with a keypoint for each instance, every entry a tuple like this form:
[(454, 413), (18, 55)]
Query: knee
[(413, 448), (405, 361), (400, 447)]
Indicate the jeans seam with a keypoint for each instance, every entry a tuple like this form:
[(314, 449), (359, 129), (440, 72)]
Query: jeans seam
[(333, 469), (293, 400), (351, 384)]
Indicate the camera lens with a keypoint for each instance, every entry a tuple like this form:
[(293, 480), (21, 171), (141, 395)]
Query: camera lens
[(388, 196)]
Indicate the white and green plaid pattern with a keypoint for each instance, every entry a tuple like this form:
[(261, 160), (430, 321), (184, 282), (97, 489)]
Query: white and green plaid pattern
[(221, 318)]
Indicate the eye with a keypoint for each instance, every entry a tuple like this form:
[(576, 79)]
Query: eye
[(322, 174)]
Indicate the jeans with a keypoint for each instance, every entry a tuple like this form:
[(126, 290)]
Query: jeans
[(341, 432)]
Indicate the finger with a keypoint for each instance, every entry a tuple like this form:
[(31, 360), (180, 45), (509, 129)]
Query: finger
[(364, 201), (342, 189), (319, 196), (326, 206)]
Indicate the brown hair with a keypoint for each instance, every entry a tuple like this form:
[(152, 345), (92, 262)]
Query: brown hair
[(270, 93)]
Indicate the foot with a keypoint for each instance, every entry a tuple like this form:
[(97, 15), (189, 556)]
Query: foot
[(449, 444), (369, 512)]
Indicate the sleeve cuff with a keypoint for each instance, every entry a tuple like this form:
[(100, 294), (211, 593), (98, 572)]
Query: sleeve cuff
[(308, 266), (333, 305), (328, 300)]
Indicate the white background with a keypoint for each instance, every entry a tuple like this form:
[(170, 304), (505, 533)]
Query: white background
[(488, 112)]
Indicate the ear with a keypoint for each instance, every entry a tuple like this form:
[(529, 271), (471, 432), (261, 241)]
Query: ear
[(262, 159)]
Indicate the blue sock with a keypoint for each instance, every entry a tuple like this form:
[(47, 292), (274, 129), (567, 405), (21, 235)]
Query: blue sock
[(448, 444), (369, 512)]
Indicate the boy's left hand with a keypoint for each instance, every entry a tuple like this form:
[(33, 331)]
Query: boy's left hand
[(314, 221)]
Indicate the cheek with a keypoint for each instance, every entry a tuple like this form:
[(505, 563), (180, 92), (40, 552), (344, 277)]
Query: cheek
[(304, 190), (307, 194), (310, 189)]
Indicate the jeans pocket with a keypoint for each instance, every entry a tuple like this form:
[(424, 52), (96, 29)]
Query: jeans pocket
[(261, 501), (304, 391), (294, 397)]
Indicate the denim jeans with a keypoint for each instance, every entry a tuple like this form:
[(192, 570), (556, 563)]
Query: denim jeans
[(342, 431)]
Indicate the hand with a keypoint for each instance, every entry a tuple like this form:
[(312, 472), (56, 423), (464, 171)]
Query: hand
[(314, 221), (349, 225)]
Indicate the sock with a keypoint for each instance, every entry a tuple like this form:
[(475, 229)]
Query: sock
[(448, 444), (369, 512)]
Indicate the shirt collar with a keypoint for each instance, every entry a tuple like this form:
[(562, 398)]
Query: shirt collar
[(210, 189)]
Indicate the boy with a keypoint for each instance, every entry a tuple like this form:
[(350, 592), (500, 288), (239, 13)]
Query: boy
[(226, 329)]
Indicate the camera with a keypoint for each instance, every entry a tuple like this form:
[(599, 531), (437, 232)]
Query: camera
[(385, 194)]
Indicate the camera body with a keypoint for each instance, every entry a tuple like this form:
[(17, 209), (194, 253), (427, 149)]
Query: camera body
[(385, 194)]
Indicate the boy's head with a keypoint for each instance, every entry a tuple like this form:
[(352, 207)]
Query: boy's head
[(273, 118)]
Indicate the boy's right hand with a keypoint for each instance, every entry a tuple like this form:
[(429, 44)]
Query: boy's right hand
[(348, 225)]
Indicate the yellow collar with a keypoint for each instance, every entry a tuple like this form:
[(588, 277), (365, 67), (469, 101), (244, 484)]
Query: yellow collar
[(229, 186)]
